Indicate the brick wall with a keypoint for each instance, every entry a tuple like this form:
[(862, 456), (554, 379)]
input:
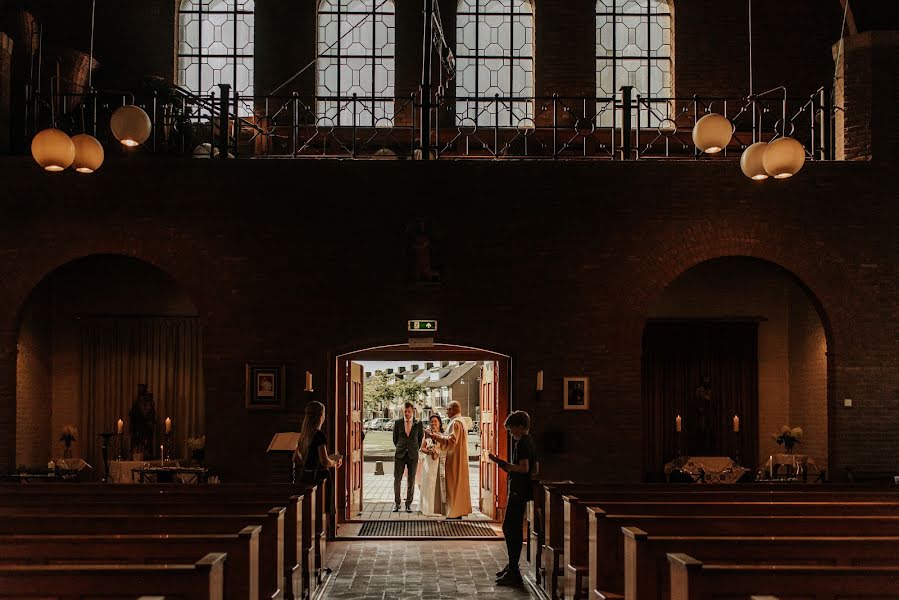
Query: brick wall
[(560, 271), (34, 434), (867, 126), (808, 377)]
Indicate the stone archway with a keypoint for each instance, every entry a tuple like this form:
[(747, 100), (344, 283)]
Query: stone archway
[(792, 347), (49, 370)]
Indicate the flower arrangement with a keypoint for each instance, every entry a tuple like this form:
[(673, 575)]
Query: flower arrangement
[(196, 443), (788, 437), (69, 434)]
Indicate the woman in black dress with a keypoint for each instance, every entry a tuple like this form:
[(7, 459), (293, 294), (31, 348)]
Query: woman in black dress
[(312, 452)]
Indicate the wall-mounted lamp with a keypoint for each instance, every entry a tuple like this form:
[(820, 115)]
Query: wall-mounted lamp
[(540, 380), (308, 387)]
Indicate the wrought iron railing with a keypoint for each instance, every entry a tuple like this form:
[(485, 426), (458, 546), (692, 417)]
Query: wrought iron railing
[(626, 126)]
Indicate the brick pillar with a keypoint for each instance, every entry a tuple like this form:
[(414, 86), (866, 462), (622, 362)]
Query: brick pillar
[(867, 85), (5, 90)]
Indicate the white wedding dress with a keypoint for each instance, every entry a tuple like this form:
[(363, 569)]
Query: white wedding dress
[(433, 482)]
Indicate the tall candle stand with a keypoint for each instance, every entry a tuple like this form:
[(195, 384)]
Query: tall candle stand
[(167, 446), (737, 445), (104, 449), (120, 450)]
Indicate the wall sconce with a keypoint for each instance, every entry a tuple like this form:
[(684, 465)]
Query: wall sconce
[(540, 380), (308, 387)]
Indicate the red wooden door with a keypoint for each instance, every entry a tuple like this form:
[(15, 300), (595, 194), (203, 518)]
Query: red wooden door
[(487, 468), (354, 438)]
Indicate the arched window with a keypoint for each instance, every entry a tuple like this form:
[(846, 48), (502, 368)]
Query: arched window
[(494, 56), (633, 47), (215, 45), (356, 56)]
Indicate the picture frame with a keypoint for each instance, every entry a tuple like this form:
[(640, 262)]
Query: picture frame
[(576, 393), (265, 386)]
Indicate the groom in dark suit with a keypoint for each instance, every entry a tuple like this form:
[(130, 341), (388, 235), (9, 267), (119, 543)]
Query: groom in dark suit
[(407, 436)]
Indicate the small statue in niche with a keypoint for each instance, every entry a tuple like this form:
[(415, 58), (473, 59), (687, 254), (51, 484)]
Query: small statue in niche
[(143, 423), (704, 438), (423, 257)]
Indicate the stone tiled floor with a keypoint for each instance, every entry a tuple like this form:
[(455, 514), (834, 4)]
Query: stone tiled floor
[(403, 570), (377, 495)]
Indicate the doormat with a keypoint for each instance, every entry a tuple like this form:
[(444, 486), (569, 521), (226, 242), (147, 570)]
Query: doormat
[(426, 529)]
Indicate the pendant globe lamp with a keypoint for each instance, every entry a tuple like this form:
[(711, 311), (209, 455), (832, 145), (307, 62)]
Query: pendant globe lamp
[(712, 133), (783, 158), (88, 153), (53, 150), (751, 161), (130, 125)]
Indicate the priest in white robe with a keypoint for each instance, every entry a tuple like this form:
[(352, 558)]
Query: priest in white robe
[(455, 443)]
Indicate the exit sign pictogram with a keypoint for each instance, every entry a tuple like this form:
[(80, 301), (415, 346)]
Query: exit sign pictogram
[(423, 325)]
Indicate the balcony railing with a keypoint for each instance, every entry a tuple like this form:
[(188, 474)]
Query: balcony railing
[(626, 126)]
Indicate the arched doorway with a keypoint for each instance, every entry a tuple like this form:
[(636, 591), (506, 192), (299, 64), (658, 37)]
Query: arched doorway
[(479, 379), (734, 337), (89, 333)]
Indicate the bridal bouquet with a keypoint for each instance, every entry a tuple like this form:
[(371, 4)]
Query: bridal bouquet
[(788, 437)]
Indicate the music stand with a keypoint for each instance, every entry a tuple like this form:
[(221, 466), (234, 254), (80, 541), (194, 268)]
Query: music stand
[(285, 444)]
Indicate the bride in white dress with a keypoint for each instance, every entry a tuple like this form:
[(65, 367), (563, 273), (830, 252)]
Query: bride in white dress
[(433, 479)]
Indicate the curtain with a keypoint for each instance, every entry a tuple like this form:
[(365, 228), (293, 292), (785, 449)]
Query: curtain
[(117, 354), (706, 372)]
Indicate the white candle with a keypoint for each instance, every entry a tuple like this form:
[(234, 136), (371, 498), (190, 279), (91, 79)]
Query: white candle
[(120, 425), (736, 424), (168, 425), (540, 380), (161, 453), (677, 423), (308, 382)]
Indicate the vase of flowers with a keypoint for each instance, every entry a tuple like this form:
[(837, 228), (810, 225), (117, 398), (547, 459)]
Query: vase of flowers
[(197, 447), (788, 438), (69, 435)]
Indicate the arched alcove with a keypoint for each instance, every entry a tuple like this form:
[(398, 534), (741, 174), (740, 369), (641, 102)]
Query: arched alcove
[(697, 324), (89, 332)]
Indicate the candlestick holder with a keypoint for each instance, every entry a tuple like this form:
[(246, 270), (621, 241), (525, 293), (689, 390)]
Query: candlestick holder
[(737, 445), (120, 443), (104, 449), (167, 446)]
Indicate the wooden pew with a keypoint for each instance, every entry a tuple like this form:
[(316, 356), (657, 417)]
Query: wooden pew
[(203, 580), (271, 539), (576, 523), (693, 580), (241, 575), (301, 518), (607, 539), (646, 568), (587, 557)]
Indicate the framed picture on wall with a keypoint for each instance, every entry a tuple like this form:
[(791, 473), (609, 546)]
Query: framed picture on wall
[(265, 386), (576, 393)]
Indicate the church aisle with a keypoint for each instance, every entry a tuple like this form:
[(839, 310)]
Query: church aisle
[(400, 570)]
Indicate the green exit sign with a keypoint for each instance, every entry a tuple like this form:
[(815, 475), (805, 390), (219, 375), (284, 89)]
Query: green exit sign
[(424, 325)]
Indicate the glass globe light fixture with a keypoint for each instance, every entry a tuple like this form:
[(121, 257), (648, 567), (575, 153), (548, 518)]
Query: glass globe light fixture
[(53, 149), (783, 158), (712, 133), (130, 125), (751, 161), (88, 153)]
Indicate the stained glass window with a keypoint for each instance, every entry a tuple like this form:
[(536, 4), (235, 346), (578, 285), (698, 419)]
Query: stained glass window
[(633, 47), (494, 56), (356, 50), (215, 45)]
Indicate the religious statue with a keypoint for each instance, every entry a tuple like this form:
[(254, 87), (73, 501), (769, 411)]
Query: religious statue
[(423, 267), (704, 438), (143, 422)]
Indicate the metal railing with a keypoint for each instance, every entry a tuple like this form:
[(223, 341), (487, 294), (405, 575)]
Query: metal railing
[(624, 127)]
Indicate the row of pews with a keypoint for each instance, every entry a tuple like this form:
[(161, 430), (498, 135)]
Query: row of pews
[(215, 542), (676, 542)]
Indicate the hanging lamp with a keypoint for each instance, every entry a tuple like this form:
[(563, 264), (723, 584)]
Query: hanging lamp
[(130, 125), (53, 150), (712, 133), (88, 153)]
